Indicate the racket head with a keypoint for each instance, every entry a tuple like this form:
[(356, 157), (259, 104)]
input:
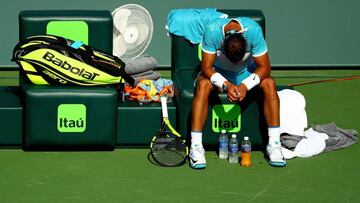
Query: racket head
[(168, 149)]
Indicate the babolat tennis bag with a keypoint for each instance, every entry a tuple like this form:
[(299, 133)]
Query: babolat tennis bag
[(53, 60)]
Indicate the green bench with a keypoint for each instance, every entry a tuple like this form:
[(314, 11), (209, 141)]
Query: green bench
[(137, 124), (34, 116), (26, 109), (69, 117)]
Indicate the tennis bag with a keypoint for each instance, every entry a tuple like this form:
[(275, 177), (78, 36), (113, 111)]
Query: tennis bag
[(53, 60)]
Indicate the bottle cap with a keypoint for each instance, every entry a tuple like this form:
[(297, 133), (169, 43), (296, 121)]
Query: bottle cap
[(223, 131), (246, 138), (233, 135)]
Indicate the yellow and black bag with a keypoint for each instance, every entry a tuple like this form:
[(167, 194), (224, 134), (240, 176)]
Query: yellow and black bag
[(53, 60)]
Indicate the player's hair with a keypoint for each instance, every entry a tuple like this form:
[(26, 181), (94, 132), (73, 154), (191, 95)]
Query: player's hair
[(234, 47)]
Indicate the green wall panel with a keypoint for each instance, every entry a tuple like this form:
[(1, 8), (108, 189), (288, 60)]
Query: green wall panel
[(303, 32)]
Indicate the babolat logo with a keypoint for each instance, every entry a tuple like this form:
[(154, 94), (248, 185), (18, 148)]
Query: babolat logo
[(67, 66), (226, 116), (71, 118)]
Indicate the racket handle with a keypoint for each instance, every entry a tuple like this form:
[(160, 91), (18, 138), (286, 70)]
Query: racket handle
[(164, 107)]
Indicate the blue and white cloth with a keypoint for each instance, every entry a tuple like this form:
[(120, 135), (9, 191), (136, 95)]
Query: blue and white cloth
[(191, 23)]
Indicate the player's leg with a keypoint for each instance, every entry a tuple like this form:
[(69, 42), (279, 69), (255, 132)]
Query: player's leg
[(199, 116), (200, 103), (272, 117), (271, 102)]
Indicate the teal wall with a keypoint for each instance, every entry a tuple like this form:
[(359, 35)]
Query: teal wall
[(306, 32)]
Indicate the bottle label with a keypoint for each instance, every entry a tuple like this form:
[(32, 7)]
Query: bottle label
[(224, 144), (246, 148), (233, 149)]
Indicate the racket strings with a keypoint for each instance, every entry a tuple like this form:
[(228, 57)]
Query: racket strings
[(168, 149)]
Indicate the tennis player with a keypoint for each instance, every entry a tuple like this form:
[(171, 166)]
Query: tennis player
[(234, 60)]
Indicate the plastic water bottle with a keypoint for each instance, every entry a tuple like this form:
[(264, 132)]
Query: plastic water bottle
[(245, 152), (233, 150), (223, 145)]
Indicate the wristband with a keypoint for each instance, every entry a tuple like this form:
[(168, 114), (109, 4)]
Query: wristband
[(251, 81), (218, 80)]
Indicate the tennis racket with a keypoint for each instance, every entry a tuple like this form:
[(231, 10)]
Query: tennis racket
[(167, 148)]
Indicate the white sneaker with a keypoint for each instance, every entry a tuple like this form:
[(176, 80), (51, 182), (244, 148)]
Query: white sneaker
[(197, 156), (275, 155)]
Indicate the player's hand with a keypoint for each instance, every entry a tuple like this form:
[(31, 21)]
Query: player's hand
[(232, 92), (242, 90)]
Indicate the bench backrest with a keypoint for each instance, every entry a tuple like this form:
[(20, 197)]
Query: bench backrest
[(93, 27)]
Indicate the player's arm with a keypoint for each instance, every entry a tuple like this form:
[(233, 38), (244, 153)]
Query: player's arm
[(216, 78), (207, 64), (262, 71), (263, 67)]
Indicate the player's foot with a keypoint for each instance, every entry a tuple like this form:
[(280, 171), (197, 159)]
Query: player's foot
[(275, 155), (197, 156)]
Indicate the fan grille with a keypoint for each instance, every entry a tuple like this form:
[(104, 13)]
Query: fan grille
[(134, 36)]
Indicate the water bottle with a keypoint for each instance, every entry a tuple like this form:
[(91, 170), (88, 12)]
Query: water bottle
[(223, 145), (245, 152), (233, 150)]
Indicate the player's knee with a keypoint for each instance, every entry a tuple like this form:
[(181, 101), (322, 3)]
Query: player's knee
[(268, 84), (204, 86)]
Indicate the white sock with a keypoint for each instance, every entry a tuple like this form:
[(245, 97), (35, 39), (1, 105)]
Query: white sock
[(274, 135), (196, 137)]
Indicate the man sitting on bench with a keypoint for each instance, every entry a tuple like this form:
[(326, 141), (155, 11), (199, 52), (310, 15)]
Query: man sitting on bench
[(234, 60)]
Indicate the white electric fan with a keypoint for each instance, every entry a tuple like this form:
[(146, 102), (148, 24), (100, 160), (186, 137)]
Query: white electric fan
[(133, 29)]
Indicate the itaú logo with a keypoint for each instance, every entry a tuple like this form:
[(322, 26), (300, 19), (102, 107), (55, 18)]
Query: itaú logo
[(227, 117), (71, 118), (220, 123)]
